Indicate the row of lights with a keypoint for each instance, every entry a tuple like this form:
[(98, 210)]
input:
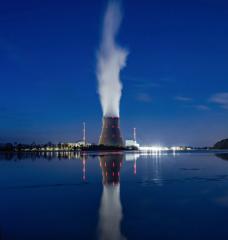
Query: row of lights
[(157, 148)]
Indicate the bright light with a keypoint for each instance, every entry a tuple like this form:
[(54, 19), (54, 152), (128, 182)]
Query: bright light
[(157, 149), (153, 149)]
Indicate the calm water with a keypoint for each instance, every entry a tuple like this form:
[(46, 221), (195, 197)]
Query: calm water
[(115, 196)]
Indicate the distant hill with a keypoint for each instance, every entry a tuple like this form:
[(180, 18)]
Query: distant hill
[(223, 144)]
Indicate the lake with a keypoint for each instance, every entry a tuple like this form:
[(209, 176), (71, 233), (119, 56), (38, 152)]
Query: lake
[(114, 196)]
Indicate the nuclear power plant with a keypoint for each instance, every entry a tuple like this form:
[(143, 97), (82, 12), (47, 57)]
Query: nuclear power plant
[(110, 134)]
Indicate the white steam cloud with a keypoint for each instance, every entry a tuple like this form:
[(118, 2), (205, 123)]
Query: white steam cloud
[(110, 60)]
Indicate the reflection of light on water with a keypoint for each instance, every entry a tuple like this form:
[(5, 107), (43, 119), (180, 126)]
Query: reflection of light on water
[(84, 168), (152, 164), (157, 170), (133, 157), (152, 168), (110, 214), (135, 167)]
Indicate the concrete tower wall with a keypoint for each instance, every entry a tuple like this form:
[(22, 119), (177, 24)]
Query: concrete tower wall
[(110, 134)]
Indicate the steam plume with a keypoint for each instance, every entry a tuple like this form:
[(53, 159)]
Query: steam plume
[(110, 60)]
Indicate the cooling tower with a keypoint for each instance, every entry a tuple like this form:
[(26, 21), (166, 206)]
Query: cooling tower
[(110, 134), (110, 165)]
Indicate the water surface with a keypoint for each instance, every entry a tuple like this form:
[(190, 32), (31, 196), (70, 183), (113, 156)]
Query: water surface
[(114, 196)]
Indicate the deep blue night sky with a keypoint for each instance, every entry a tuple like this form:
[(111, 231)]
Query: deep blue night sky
[(175, 84)]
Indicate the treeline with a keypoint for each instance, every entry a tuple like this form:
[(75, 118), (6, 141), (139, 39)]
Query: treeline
[(9, 147), (223, 144)]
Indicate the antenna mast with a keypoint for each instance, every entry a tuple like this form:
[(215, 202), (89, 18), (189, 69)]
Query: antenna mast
[(84, 134), (134, 134)]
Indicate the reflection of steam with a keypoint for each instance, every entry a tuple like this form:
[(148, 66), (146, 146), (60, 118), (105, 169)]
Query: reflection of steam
[(111, 59), (110, 213)]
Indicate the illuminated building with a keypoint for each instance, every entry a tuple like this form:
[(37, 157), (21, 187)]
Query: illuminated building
[(131, 143)]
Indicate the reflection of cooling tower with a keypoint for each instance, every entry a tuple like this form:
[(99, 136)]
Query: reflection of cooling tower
[(110, 135), (111, 165), (110, 212)]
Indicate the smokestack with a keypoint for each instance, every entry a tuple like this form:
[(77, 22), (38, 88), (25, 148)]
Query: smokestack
[(110, 134), (84, 134), (134, 134)]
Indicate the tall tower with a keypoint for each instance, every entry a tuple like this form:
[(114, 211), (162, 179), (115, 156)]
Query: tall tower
[(134, 134), (110, 134), (84, 134)]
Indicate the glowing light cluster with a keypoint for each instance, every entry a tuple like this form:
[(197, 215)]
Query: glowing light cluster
[(157, 148), (153, 148)]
